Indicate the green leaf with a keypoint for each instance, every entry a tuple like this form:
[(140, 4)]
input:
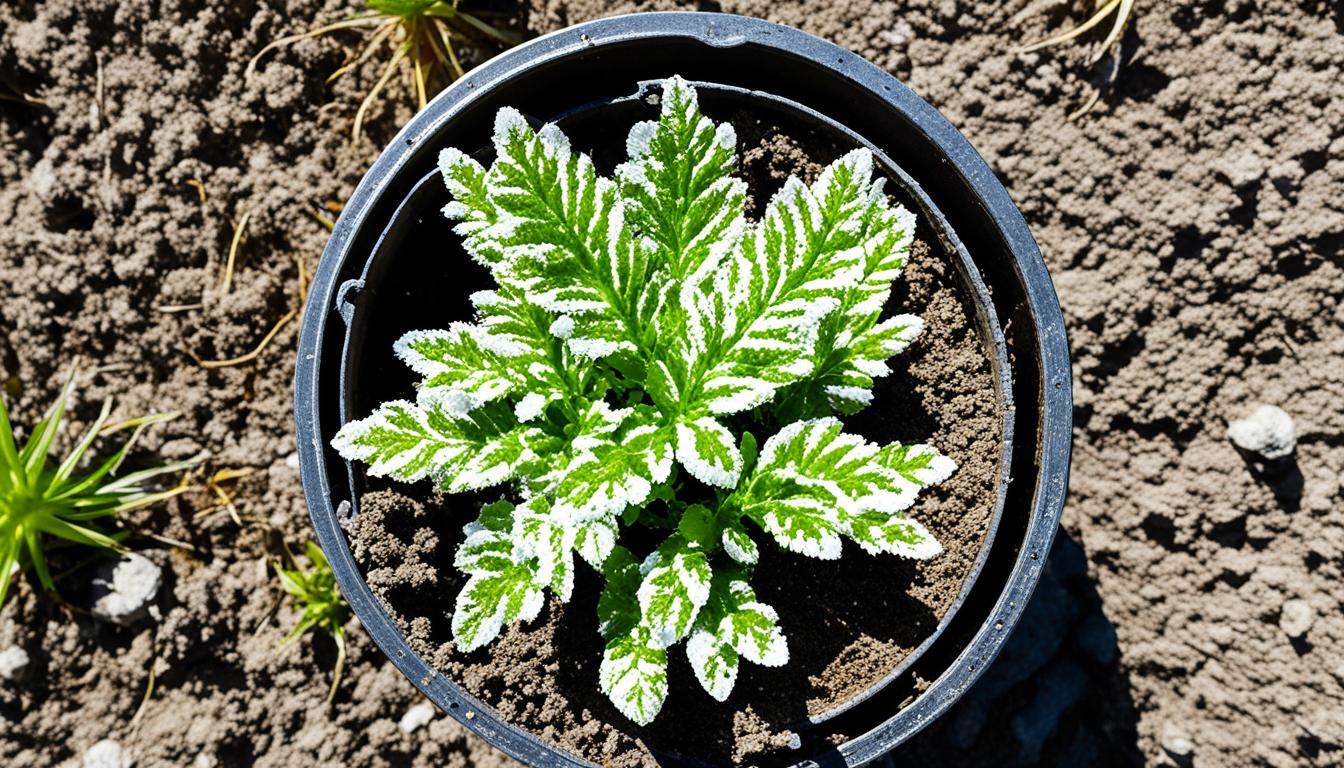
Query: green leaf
[(616, 459), (708, 451), (559, 231), (814, 483), (738, 543), (618, 606), (675, 584), (677, 184), (633, 674), (464, 367), (503, 587), (733, 624), (465, 451)]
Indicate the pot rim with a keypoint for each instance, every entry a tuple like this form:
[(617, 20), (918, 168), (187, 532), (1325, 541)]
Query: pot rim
[(719, 30)]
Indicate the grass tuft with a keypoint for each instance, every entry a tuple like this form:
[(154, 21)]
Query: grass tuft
[(1123, 10), (39, 501), (423, 36), (324, 609)]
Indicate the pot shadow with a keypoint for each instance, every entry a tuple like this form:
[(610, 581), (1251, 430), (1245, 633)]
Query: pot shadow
[(1056, 695)]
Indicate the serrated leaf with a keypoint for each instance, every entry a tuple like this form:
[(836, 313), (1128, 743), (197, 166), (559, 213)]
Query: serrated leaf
[(675, 584), (814, 483), (633, 674), (677, 184), (462, 451), (739, 544), (708, 451), (733, 624), (503, 587), (461, 366), (618, 606), (559, 230), (618, 456)]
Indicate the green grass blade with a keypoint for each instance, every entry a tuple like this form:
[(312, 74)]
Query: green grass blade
[(67, 467), (79, 534), (39, 561), (34, 454), (9, 558), (9, 454)]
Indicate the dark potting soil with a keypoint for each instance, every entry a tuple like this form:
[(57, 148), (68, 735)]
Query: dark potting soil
[(849, 622)]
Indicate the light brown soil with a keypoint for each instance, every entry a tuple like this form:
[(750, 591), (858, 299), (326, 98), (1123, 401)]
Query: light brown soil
[(1192, 222)]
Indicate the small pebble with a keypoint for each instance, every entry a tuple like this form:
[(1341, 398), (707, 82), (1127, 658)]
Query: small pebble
[(1296, 618), (416, 717), (13, 661), (107, 754), (292, 460), (1268, 432), (124, 590), (1177, 743)]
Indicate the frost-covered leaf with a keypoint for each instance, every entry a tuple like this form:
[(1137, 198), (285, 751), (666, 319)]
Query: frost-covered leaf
[(503, 585), (558, 231), (739, 544), (675, 584), (733, 624), (618, 456), (814, 483), (461, 451), (708, 451), (463, 367), (633, 674), (678, 186)]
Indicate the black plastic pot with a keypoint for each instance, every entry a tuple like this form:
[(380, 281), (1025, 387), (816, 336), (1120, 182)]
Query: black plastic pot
[(598, 73)]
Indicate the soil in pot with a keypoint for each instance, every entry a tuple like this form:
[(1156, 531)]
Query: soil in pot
[(849, 622)]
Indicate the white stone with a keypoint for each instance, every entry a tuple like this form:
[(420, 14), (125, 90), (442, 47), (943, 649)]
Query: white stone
[(416, 717), (1268, 432), (125, 590), (107, 754), (1177, 743), (1296, 618), (13, 661)]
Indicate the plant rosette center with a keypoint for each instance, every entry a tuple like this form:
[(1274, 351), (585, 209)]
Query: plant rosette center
[(640, 334)]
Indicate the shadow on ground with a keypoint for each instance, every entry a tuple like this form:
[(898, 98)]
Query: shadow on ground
[(1056, 696)]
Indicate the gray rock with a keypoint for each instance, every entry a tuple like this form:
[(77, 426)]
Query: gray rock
[(107, 754), (1267, 432), (1296, 618), (124, 590), (13, 662)]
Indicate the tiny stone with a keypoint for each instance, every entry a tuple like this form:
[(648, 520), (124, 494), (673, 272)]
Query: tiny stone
[(795, 741), (1296, 618), (1177, 744), (416, 717), (124, 589), (205, 759), (13, 661), (1268, 432), (292, 460), (107, 754)]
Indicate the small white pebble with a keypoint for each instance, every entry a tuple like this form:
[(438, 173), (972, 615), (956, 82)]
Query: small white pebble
[(1176, 742), (13, 661), (1269, 432), (107, 754), (1296, 618), (416, 717), (126, 589), (205, 759), (292, 460)]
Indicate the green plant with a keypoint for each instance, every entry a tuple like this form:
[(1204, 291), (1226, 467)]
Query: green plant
[(324, 609), (39, 501), (640, 327), (423, 34)]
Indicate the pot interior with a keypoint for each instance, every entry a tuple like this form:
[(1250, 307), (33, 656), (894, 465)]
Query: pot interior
[(418, 276)]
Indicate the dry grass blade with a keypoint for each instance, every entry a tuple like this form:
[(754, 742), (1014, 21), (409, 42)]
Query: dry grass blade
[(422, 34), (250, 356), (227, 282), (1123, 10)]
